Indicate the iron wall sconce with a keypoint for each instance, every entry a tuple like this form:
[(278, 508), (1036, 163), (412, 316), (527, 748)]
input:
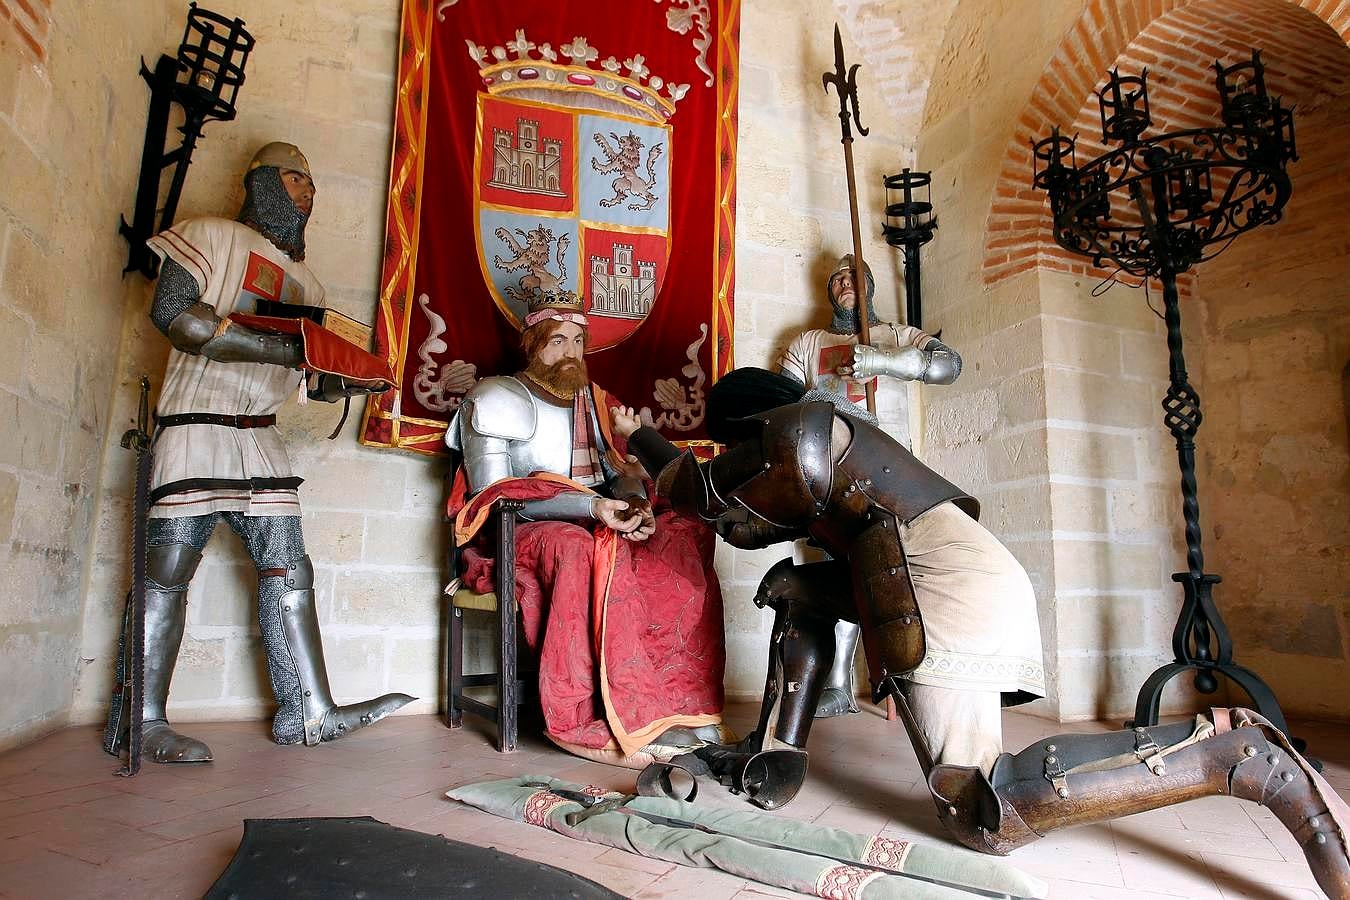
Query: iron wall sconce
[(911, 225), (203, 80)]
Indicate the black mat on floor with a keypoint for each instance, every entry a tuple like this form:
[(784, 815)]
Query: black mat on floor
[(368, 859)]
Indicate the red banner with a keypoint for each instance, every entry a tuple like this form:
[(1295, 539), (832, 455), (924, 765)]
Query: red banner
[(553, 148)]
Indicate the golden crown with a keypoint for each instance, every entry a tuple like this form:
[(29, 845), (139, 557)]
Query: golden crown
[(604, 89)]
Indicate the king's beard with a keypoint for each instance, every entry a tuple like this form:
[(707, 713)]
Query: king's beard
[(562, 379)]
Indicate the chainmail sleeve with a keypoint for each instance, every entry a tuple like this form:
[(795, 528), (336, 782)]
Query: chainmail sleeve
[(175, 291)]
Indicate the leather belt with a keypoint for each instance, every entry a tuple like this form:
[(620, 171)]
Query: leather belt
[(217, 419)]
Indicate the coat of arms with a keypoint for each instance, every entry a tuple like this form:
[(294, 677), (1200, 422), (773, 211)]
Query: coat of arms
[(572, 183)]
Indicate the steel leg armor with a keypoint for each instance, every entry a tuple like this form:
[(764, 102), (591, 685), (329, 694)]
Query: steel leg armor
[(769, 765), (168, 569), (1077, 779), (295, 663), (841, 689)]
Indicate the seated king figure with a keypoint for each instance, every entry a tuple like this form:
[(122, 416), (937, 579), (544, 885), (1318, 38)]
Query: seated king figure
[(619, 601)]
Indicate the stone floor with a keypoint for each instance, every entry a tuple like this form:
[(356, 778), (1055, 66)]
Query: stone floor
[(69, 828)]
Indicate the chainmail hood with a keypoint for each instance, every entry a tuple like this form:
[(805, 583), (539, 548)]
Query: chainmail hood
[(845, 321), (268, 210)]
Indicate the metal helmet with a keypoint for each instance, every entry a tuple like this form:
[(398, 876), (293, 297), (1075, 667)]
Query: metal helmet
[(281, 155), (267, 207)]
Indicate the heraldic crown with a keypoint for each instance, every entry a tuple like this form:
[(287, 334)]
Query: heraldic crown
[(568, 69)]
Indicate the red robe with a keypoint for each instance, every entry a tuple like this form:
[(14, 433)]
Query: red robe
[(628, 634)]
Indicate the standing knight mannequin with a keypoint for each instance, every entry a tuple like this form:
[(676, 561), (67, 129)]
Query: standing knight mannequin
[(831, 364), (218, 455)]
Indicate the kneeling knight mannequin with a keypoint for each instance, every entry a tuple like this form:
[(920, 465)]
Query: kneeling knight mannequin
[(218, 456), (907, 555)]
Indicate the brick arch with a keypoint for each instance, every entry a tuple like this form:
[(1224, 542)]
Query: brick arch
[(1178, 40)]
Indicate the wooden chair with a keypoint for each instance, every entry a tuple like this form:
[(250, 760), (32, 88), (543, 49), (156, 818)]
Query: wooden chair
[(510, 689)]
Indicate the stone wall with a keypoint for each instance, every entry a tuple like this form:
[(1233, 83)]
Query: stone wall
[(1275, 465), (72, 116)]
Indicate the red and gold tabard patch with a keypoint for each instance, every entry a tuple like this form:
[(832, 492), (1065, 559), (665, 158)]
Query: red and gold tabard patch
[(831, 358), (264, 278)]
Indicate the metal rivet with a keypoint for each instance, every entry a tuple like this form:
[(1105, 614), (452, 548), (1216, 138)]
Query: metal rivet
[(892, 571), (1063, 793), (767, 466), (800, 431), (342, 726), (951, 810), (1050, 747), (307, 693), (886, 469), (365, 720), (1315, 822), (286, 608), (1320, 838), (906, 620), (1139, 730), (1286, 776), (866, 482), (1051, 760), (1249, 751), (1272, 758)]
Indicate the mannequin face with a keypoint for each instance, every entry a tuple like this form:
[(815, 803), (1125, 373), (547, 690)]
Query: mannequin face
[(841, 289), (567, 342), (299, 188)]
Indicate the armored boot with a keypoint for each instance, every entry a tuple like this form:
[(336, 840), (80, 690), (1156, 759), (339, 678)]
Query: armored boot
[(769, 765), (168, 570), (841, 691), (1078, 779), (290, 632)]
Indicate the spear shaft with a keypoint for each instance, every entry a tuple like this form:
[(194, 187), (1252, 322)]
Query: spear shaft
[(844, 79)]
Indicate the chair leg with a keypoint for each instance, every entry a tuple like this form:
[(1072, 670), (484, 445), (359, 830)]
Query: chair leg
[(508, 708), (454, 662)]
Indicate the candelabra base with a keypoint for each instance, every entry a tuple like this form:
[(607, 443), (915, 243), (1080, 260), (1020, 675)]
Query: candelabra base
[(1191, 644)]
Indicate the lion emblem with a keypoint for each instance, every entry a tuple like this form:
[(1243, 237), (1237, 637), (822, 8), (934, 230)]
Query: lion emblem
[(533, 256), (625, 159)]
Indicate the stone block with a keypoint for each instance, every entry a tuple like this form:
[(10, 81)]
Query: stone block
[(1079, 508), (366, 597), (35, 435), (1092, 399), (1070, 296), (31, 283), (750, 565), (747, 663), (740, 614), (399, 541), (332, 93), (356, 664), (764, 270), (1101, 623), (1080, 345), (1138, 507), (1022, 399), (1106, 566), (960, 418), (245, 675), (367, 486), (415, 666), (38, 668), (1016, 457), (15, 339), (200, 673), (224, 593), (1017, 510), (1091, 454), (34, 204), (334, 536), (1265, 405), (9, 495)]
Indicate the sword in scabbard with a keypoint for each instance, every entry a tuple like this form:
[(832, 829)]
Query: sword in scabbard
[(845, 81), (140, 440), (595, 806)]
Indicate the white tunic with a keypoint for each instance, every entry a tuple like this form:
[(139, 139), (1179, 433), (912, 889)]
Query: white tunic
[(814, 356), (234, 266)]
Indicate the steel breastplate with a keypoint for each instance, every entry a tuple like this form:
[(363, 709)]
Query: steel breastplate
[(549, 449)]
